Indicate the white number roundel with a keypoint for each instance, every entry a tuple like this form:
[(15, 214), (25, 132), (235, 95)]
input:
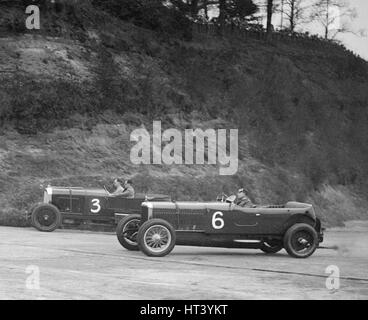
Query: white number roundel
[(96, 207), (217, 222)]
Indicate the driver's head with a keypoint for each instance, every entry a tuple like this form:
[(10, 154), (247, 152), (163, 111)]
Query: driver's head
[(118, 182), (128, 183), (241, 193)]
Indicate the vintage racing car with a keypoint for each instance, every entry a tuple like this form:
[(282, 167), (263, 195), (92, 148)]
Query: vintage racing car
[(80, 204), (162, 225)]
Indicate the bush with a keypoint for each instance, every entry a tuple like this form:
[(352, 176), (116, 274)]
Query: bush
[(150, 14), (12, 20), (41, 106)]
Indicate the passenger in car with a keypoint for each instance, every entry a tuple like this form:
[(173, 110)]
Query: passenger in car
[(128, 190), (123, 189)]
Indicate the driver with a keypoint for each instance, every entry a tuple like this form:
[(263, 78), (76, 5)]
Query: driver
[(119, 190), (128, 189), (242, 199), (123, 189)]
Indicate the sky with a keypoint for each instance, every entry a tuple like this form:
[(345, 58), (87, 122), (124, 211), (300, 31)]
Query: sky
[(358, 44)]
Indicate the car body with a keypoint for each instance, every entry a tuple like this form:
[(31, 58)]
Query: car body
[(84, 204), (225, 224)]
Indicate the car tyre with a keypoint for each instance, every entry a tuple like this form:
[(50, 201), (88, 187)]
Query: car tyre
[(30, 211), (127, 231), (271, 247), (46, 217), (301, 240), (156, 238)]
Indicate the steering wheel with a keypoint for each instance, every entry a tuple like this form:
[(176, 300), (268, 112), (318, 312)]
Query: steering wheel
[(107, 191), (231, 199)]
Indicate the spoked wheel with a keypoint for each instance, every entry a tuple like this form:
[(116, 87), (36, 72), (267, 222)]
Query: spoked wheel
[(156, 238), (46, 217), (301, 240), (127, 231), (271, 246)]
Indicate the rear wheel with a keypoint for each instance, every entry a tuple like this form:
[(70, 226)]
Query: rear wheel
[(127, 231), (46, 217), (156, 238), (271, 246), (301, 240)]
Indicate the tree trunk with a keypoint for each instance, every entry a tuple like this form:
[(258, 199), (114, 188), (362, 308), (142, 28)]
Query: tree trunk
[(205, 4), (269, 17), (292, 16), (194, 8), (327, 26), (222, 13)]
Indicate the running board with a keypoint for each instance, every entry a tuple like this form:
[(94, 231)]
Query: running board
[(248, 241)]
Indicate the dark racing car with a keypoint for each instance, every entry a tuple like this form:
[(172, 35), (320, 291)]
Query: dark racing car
[(162, 225), (80, 204)]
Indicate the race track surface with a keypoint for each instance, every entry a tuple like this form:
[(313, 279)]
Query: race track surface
[(91, 265)]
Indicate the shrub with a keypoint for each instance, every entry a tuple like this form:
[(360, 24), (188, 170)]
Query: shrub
[(150, 14), (41, 106)]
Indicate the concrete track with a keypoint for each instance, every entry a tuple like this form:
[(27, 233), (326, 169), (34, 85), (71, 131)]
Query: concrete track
[(91, 265)]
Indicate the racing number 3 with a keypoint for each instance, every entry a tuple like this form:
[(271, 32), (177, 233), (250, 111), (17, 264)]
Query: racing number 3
[(96, 207), (217, 222)]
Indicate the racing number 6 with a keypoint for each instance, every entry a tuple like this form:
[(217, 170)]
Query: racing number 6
[(96, 207), (217, 222)]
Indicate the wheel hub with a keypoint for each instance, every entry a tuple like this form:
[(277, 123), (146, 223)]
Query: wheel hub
[(156, 238), (303, 242)]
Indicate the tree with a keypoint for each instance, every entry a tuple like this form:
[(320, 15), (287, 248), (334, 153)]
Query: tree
[(193, 7), (190, 7), (205, 8), (334, 16), (151, 14), (227, 8), (282, 14), (270, 9), (241, 8), (295, 12), (222, 12)]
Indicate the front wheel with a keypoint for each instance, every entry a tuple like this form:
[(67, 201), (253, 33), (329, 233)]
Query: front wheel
[(46, 217), (301, 240), (156, 238), (127, 231), (271, 246)]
